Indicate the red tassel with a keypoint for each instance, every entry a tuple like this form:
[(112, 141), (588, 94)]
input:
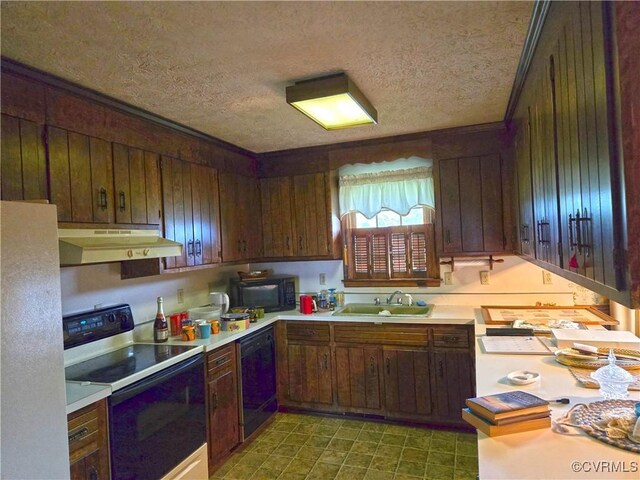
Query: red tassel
[(573, 262)]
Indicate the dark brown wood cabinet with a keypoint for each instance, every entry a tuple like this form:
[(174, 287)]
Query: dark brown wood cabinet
[(23, 164), (222, 403), (241, 224), (407, 382), (565, 152), (89, 442), (358, 385), (305, 365), (136, 178), (397, 371), (312, 215), (80, 177), (191, 212), (471, 205), (277, 217), (453, 370)]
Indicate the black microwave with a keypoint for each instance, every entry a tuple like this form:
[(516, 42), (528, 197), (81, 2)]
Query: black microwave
[(275, 293)]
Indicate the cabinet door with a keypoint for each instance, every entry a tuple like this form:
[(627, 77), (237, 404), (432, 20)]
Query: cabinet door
[(358, 377), (137, 186), (252, 218), (23, 164), (312, 216), (176, 201), (81, 177), (277, 232), (230, 217), (450, 206), (206, 214), (309, 373), (92, 468), (223, 414), (525, 200), (453, 383), (407, 382)]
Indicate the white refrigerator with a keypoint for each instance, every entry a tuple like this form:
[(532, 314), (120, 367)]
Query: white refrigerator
[(33, 421)]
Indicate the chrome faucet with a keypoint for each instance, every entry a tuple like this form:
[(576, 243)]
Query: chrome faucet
[(409, 299), (390, 299)]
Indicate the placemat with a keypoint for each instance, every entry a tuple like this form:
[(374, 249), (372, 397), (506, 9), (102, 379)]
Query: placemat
[(583, 376)]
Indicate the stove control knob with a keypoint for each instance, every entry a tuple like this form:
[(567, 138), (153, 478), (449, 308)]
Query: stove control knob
[(111, 317), (124, 319)]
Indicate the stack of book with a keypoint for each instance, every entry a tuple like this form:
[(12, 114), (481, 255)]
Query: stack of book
[(508, 412)]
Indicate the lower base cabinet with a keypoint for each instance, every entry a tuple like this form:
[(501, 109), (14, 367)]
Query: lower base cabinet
[(89, 442), (405, 372), (222, 400)]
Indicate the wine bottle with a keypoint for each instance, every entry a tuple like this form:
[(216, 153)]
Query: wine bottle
[(160, 329)]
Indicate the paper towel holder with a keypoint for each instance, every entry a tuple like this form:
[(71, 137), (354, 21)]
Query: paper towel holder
[(483, 261)]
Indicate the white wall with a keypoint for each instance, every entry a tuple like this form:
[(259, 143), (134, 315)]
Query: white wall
[(86, 286), (514, 282)]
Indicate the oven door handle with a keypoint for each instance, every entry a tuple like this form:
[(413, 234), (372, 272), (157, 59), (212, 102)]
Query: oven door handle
[(129, 391)]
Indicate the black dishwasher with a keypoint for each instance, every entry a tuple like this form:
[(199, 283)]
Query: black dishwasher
[(258, 366)]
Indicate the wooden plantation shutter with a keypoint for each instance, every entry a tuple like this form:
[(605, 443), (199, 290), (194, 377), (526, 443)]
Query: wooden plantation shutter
[(391, 253)]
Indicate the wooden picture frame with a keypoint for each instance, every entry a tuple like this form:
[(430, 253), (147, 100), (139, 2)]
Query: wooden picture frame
[(507, 314)]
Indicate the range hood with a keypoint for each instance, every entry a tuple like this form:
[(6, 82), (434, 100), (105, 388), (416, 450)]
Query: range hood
[(80, 246)]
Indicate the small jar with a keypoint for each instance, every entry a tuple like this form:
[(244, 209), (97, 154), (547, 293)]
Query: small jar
[(188, 333)]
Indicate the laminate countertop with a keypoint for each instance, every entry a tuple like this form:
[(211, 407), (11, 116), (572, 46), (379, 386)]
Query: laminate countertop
[(544, 454)]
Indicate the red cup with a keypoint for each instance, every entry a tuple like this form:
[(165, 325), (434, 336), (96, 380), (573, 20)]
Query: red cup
[(176, 324), (306, 304)]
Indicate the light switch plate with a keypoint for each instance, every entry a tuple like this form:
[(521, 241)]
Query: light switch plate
[(484, 277), (448, 278), (180, 295), (323, 279), (546, 278)]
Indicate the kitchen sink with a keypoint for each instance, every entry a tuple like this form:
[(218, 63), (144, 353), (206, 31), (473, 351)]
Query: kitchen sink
[(365, 309)]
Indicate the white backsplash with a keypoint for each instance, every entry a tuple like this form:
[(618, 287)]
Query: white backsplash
[(514, 282)]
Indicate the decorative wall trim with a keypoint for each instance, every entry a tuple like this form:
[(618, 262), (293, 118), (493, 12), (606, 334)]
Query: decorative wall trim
[(540, 11)]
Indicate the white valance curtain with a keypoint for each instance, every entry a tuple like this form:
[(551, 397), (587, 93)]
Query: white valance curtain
[(396, 190)]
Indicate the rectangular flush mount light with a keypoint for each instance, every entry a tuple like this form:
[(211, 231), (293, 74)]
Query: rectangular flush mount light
[(333, 102)]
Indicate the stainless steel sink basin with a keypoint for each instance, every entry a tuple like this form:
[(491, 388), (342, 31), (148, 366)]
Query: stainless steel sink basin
[(365, 309)]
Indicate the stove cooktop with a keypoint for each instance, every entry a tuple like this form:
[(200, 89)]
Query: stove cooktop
[(115, 366)]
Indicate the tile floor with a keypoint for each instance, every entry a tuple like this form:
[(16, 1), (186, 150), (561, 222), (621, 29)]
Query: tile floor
[(308, 447)]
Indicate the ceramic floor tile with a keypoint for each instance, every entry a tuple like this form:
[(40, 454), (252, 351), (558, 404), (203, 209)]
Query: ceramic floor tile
[(309, 447), (348, 472)]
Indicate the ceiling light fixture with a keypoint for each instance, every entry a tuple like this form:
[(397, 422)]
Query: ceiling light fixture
[(333, 102)]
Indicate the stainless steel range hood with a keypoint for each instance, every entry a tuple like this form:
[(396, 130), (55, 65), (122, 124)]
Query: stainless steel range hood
[(80, 246)]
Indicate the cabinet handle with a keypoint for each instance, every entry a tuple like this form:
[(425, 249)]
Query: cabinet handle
[(388, 365), (198, 248), (440, 369), (450, 339), (244, 246), (102, 198), (571, 238), (93, 473), (214, 401), (372, 365), (524, 233), (447, 236), (287, 243), (307, 333), (190, 248), (300, 242), (79, 435), (122, 201), (326, 361), (239, 245)]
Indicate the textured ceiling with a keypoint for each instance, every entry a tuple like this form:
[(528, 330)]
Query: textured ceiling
[(222, 67)]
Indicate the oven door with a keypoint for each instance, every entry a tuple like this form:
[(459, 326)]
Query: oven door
[(156, 423)]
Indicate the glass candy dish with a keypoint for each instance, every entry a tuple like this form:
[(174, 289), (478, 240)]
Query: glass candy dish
[(614, 381)]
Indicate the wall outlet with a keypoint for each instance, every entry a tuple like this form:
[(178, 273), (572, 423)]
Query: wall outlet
[(546, 278), (448, 278), (180, 295), (484, 277), (323, 279)]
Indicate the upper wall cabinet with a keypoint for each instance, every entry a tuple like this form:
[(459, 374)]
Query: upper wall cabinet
[(191, 212), (571, 212), (23, 165), (241, 224), (473, 188), (81, 177), (298, 216)]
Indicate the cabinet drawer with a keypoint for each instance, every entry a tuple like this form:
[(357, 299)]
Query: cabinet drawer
[(386, 334), (84, 435), (308, 331), (451, 338), (221, 358)]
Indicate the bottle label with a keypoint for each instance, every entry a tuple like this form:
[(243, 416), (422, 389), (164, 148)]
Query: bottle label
[(161, 334)]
